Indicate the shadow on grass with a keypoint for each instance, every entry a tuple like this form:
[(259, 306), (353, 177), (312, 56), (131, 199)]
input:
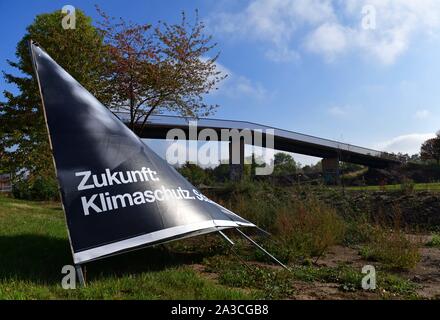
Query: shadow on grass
[(39, 258), (33, 257)]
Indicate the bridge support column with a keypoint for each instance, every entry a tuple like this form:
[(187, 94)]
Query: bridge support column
[(236, 160), (330, 170)]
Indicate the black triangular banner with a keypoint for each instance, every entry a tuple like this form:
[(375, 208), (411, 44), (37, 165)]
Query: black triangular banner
[(117, 193)]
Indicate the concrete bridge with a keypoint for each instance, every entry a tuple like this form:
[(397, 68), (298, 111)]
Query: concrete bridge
[(330, 151)]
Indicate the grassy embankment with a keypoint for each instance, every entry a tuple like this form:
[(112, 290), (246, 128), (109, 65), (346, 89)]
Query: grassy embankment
[(34, 247), (435, 186)]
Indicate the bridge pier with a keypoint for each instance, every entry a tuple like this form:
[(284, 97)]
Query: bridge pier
[(236, 159), (330, 170)]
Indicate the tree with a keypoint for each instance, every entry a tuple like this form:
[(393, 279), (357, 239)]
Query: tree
[(221, 172), (284, 164), (23, 137), (152, 69), (312, 168), (430, 149), (195, 174), (415, 158)]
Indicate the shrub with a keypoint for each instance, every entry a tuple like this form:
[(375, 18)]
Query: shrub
[(407, 185), (392, 248), (38, 188), (195, 174), (357, 232), (435, 241), (260, 213), (258, 202), (307, 229), (302, 225)]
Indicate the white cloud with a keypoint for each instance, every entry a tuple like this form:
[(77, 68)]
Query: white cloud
[(283, 54), (409, 143), (332, 27), (330, 39), (398, 22), (338, 111), (274, 22), (344, 111), (235, 85), (422, 114)]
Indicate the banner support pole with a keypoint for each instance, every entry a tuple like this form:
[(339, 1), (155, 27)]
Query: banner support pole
[(233, 251), (262, 249), (226, 238), (80, 275)]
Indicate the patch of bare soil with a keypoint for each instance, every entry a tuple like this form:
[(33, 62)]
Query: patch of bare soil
[(426, 274), (200, 269), (328, 291), (342, 255), (331, 291)]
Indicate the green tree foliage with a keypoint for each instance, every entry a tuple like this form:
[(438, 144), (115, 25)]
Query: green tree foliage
[(221, 172), (430, 149), (24, 143), (313, 168), (195, 174), (284, 164), (145, 68), (157, 68)]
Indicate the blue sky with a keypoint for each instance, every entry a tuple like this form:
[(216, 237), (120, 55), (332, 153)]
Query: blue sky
[(304, 65)]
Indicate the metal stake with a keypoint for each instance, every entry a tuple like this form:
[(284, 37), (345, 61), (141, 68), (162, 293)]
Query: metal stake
[(226, 237), (234, 252), (266, 233), (262, 249), (80, 275)]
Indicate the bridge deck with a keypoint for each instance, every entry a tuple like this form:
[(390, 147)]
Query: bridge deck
[(284, 140)]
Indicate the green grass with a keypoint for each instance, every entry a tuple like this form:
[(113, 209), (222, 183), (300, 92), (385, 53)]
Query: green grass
[(397, 187), (435, 241), (172, 283), (34, 248)]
